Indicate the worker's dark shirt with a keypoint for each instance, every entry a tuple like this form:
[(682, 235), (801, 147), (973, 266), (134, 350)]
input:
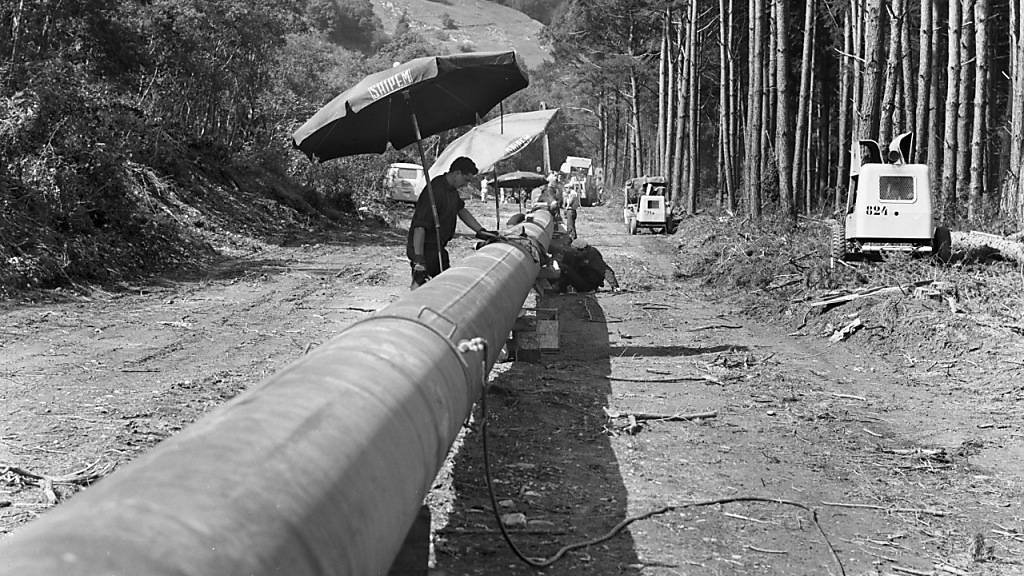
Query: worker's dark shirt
[(583, 269), (449, 204)]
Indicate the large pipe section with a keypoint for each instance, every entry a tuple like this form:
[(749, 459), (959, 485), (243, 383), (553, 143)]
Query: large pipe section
[(318, 470)]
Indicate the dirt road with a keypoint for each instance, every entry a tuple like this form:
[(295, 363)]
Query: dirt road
[(832, 460)]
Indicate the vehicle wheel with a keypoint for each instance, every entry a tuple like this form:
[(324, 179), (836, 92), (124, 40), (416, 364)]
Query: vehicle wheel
[(631, 226), (942, 244), (838, 240)]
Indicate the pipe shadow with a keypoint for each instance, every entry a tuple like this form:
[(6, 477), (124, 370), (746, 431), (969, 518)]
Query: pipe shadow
[(551, 461)]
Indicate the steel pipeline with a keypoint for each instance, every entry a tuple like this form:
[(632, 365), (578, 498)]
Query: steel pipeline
[(318, 470)]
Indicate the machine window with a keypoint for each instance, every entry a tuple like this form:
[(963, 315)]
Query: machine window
[(896, 188)]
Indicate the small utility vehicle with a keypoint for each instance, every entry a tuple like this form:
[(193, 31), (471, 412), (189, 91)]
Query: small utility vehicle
[(645, 205), (404, 181), (889, 206)]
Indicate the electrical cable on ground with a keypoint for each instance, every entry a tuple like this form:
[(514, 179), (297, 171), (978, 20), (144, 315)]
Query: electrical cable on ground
[(545, 562)]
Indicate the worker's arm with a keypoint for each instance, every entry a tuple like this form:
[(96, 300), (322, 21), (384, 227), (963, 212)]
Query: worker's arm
[(481, 232), (609, 277), (470, 221)]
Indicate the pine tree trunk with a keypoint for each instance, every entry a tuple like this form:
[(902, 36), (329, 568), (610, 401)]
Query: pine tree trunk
[(974, 211), (634, 109), (872, 74), (677, 185), (16, 30), (724, 98), (907, 64), (858, 68), (691, 204), (670, 102), (602, 114), (964, 107), (735, 110), (753, 128), (1013, 197), (783, 144), (935, 114), (1018, 91), (811, 189), (921, 134), (663, 92), (620, 172), (845, 75), (892, 74), (767, 96), (803, 101), (948, 202)]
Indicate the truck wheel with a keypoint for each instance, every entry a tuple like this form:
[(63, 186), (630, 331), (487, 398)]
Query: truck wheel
[(838, 239), (942, 244)]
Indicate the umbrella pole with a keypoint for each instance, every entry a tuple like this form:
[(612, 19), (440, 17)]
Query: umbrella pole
[(426, 174)]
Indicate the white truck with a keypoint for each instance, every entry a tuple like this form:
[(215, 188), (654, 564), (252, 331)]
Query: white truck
[(580, 174), (889, 206)]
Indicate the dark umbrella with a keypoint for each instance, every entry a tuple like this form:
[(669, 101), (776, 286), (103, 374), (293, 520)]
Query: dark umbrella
[(405, 103), (520, 180), (410, 101)]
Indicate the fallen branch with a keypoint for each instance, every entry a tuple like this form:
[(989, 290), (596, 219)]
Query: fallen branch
[(678, 417), (848, 396), (80, 478), (705, 378), (748, 518), (886, 509), (907, 288), (712, 326), (950, 569), (766, 550), (912, 571)]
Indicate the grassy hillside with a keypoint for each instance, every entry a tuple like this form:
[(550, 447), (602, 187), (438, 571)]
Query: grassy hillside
[(472, 25)]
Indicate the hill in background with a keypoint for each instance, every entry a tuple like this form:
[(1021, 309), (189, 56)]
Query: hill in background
[(468, 25)]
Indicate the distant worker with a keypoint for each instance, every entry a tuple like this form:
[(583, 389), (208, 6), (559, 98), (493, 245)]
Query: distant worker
[(426, 257), (582, 267), (572, 206), (552, 198), (485, 188)]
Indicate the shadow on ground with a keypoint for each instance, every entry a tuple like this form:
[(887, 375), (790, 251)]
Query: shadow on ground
[(551, 460)]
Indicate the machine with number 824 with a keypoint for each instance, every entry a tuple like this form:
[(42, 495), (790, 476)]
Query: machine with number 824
[(889, 207)]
